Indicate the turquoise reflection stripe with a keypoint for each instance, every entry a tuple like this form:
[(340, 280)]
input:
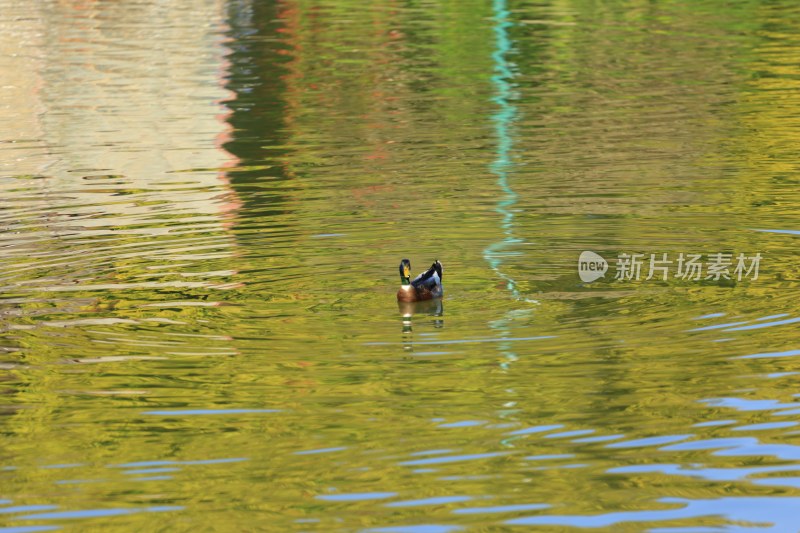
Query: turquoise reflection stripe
[(503, 120)]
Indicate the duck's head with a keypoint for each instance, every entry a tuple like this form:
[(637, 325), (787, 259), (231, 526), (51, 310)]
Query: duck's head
[(405, 271)]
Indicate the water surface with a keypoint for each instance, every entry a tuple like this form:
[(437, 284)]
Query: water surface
[(203, 205)]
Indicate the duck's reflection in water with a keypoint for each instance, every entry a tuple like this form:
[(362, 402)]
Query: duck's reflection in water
[(428, 308)]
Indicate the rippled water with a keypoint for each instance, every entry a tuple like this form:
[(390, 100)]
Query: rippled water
[(203, 209)]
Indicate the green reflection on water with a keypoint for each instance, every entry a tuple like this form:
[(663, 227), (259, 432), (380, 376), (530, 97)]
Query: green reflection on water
[(503, 119), (204, 316)]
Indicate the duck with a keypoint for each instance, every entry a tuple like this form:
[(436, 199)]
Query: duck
[(426, 286)]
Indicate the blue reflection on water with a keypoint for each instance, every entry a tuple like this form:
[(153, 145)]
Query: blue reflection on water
[(787, 353), (766, 324), (783, 231), (549, 457), (214, 461), (719, 326), (432, 452), (320, 450), (26, 508), (710, 474), (742, 404), (565, 434), (27, 529), (503, 508), (463, 424), (764, 426), (599, 438), (421, 528), (793, 482), (536, 429), (710, 315), (780, 513), (712, 444), (439, 500), (451, 459), (150, 471), (770, 317), (713, 423), (648, 441)]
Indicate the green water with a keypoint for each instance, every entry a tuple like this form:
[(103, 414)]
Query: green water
[(203, 206)]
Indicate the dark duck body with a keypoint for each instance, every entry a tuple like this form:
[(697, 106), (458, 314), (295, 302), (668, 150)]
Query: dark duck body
[(426, 286)]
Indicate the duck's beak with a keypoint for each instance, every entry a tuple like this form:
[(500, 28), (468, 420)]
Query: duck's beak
[(406, 272)]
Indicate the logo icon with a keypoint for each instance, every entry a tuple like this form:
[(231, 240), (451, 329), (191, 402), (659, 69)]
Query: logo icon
[(591, 266)]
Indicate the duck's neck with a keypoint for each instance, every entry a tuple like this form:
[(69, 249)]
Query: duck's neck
[(404, 281)]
